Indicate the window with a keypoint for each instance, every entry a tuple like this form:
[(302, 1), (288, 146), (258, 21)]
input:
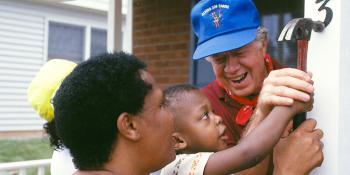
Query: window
[(98, 41), (66, 41)]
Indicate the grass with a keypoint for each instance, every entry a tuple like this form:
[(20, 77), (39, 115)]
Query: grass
[(14, 150)]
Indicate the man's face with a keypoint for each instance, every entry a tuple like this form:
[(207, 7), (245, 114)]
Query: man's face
[(241, 71), (202, 129), (157, 127)]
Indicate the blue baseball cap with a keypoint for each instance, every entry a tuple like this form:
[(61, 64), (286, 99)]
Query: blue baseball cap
[(223, 25)]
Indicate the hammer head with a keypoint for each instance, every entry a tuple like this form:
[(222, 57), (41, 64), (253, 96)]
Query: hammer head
[(300, 29)]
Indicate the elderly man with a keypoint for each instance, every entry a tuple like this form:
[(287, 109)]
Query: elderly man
[(231, 39)]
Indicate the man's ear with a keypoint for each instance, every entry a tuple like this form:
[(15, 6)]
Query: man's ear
[(265, 45), (181, 142), (128, 127)]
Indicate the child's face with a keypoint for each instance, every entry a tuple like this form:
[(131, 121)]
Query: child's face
[(203, 130)]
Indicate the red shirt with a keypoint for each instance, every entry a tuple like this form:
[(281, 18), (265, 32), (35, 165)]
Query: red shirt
[(226, 107)]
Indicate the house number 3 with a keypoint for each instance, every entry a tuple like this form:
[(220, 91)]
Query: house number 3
[(329, 12)]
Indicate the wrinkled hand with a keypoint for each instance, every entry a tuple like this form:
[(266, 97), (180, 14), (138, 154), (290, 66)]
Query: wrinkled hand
[(300, 152), (282, 87)]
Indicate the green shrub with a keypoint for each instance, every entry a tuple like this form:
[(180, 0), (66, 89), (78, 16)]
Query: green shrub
[(14, 150)]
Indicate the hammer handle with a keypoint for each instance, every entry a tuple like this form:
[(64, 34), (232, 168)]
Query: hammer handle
[(301, 65), (302, 54), (298, 119)]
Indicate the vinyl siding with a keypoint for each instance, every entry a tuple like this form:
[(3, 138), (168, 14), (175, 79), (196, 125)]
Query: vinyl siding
[(22, 37), (23, 50)]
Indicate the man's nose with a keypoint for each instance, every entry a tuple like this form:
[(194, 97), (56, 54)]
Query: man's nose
[(232, 63)]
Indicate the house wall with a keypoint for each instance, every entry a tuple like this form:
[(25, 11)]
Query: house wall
[(328, 60), (161, 37), (23, 50)]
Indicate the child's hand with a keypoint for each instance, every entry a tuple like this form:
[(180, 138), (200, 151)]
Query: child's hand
[(299, 106)]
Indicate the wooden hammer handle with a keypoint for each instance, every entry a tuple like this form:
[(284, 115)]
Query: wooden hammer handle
[(301, 65)]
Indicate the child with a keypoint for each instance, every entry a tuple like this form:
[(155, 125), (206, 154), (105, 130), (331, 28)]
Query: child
[(40, 92), (199, 133)]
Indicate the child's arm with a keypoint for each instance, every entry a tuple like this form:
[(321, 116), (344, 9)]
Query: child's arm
[(256, 145)]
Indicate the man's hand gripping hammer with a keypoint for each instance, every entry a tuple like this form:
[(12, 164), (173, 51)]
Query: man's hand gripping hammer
[(300, 29)]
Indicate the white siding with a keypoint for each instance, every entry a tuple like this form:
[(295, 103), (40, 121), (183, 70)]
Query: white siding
[(23, 50), (22, 37)]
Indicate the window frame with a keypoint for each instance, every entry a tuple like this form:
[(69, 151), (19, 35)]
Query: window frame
[(88, 25)]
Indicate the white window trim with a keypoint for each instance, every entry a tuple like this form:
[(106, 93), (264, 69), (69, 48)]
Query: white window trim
[(87, 43)]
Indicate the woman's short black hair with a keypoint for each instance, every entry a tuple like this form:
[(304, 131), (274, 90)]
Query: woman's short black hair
[(88, 103)]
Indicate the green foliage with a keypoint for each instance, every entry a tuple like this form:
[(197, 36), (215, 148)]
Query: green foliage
[(24, 149), (14, 150)]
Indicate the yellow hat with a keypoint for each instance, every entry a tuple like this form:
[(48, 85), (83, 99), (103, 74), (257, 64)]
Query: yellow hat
[(42, 88)]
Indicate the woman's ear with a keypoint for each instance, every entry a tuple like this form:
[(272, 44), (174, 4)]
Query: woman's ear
[(128, 127), (181, 142)]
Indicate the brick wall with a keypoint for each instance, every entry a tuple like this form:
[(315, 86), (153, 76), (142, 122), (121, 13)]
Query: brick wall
[(161, 38)]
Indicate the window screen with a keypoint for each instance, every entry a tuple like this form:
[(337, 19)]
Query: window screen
[(66, 41), (98, 41)]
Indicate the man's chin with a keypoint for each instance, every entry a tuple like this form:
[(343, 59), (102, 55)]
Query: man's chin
[(241, 91), (246, 92)]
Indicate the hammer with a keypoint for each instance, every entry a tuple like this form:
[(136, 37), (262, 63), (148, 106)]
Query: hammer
[(299, 29)]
